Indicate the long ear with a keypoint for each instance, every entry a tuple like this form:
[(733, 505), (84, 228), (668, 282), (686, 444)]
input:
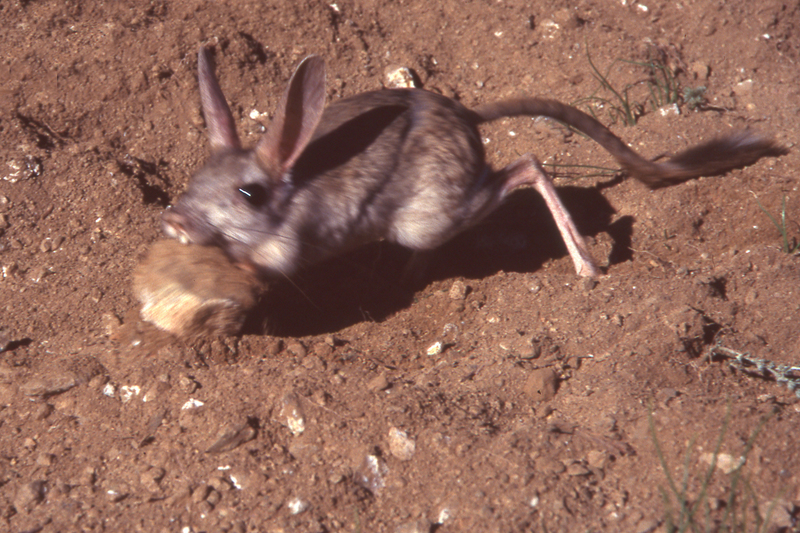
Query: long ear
[(296, 118), (221, 129)]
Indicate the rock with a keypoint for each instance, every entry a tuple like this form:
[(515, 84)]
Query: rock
[(725, 461), (435, 348), (190, 290), (458, 291), (371, 473), (588, 284), (292, 415), (219, 484), (378, 383), (400, 445), (199, 493), (669, 110), (399, 78), (296, 505), (117, 492), (87, 476), (297, 349), (111, 324)]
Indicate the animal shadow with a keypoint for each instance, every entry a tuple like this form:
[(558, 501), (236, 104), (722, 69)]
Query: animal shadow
[(375, 281)]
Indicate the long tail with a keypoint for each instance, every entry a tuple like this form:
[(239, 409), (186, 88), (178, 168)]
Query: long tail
[(714, 157)]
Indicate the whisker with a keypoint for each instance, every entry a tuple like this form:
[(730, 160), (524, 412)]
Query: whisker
[(296, 286)]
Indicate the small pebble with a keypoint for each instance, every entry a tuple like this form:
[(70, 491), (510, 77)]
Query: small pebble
[(38, 273), (219, 484), (435, 348), (458, 291), (400, 445), (378, 383), (111, 324), (292, 415), (535, 286), (725, 461), (671, 110), (399, 78), (296, 505), (314, 362), (297, 349), (116, 494), (87, 476), (589, 284), (199, 493), (187, 384), (370, 474), (45, 459), (42, 411), (213, 497)]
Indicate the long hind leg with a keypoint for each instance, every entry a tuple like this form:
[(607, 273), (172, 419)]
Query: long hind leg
[(527, 171)]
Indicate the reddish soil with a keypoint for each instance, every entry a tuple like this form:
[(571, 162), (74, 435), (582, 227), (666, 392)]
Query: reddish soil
[(534, 415)]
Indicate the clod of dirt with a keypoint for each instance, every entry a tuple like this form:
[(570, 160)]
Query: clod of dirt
[(29, 495), (190, 290), (5, 338), (231, 437), (417, 526), (49, 385), (541, 385)]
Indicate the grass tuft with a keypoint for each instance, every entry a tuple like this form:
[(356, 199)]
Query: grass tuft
[(789, 246), (662, 87), (683, 515)]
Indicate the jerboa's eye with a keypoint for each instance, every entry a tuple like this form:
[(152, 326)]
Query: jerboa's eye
[(254, 193)]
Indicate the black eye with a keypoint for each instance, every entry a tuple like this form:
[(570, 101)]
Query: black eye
[(254, 193)]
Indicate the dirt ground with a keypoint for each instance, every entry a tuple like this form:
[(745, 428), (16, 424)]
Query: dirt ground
[(334, 410)]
